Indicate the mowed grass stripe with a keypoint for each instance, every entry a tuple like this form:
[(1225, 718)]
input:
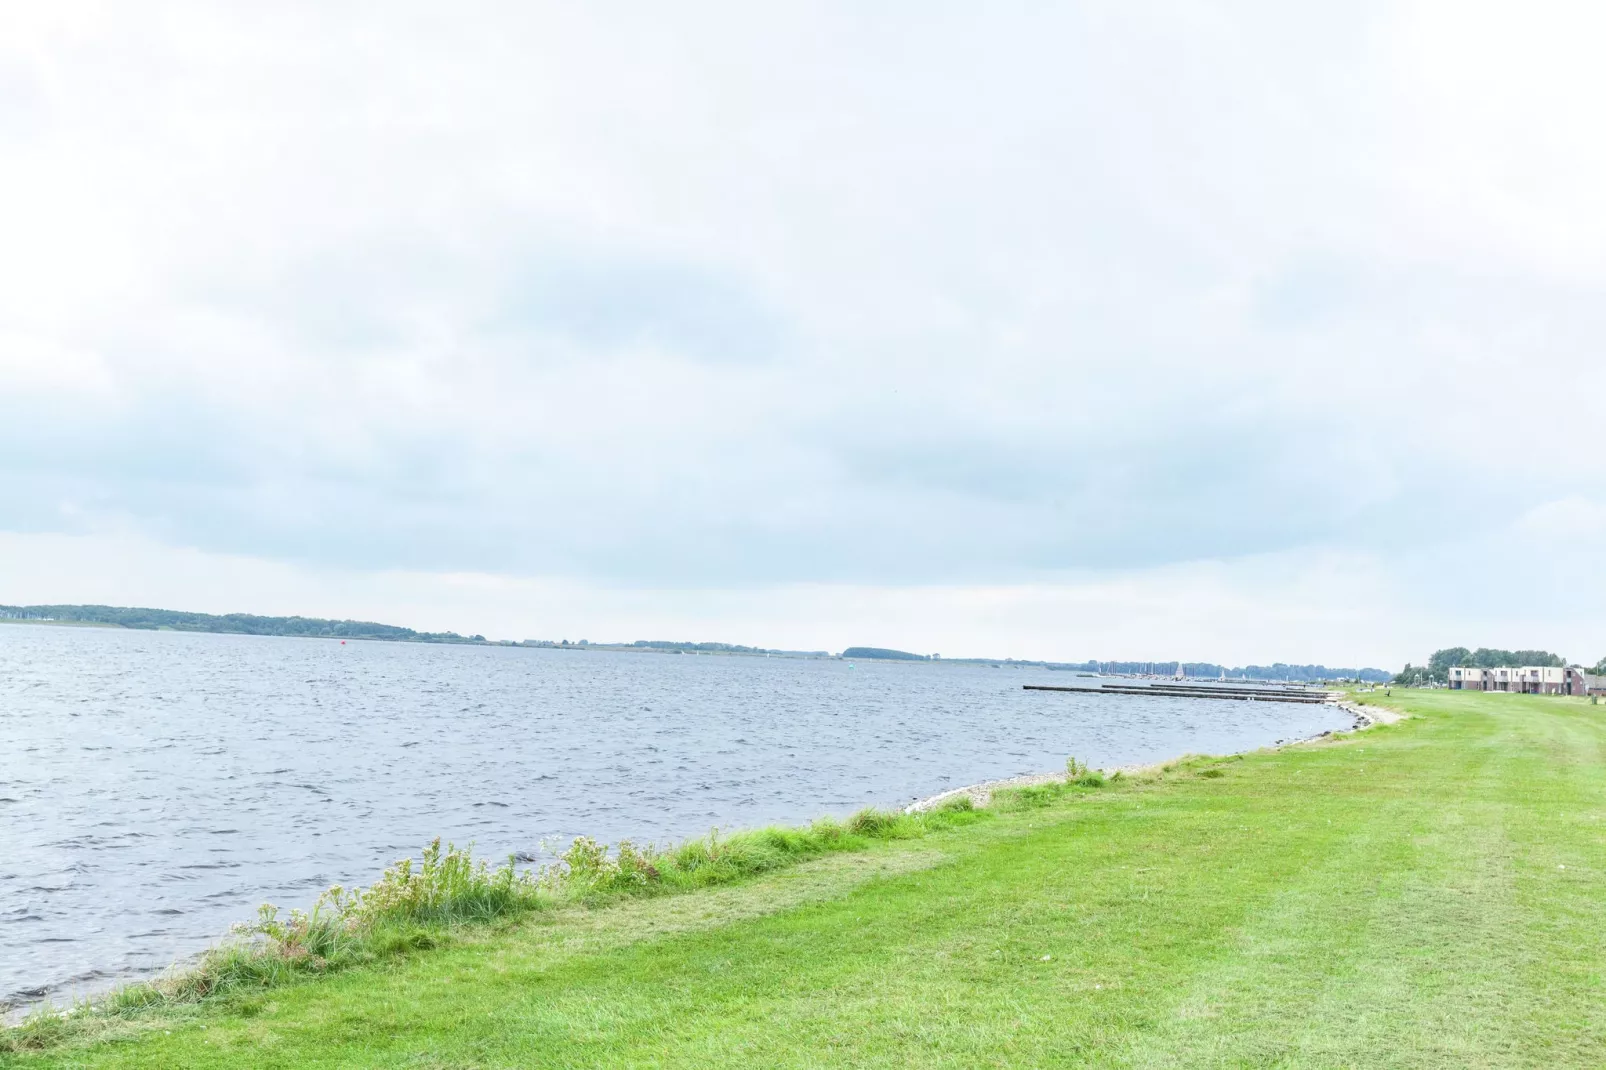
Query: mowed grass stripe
[(881, 966), (1349, 962), (1004, 983), (1560, 821)]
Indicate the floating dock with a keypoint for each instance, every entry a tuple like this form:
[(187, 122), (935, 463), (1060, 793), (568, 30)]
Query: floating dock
[(1242, 694)]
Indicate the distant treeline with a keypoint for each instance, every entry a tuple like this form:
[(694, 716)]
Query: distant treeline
[(717, 648), (1276, 671), (1437, 670), (883, 653), (319, 628), (667, 646), (230, 623), (711, 648)]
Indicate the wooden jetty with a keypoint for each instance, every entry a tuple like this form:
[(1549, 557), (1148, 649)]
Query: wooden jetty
[(1171, 690)]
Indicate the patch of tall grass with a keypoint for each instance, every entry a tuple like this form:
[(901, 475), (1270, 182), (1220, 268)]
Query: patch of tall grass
[(1077, 775), (413, 907), (1082, 775)]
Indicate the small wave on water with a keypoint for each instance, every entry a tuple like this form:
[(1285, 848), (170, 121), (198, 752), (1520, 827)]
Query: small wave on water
[(158, 786)]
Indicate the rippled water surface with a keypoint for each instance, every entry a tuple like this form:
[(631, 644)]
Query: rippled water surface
[(155, 787)]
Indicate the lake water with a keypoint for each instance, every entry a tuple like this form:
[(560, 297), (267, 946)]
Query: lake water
[(155, 787)]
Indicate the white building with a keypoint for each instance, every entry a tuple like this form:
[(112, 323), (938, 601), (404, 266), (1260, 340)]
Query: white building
[(1527, 680)]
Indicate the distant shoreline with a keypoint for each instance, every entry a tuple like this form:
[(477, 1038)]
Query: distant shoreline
[(298, 627), (63, 623), (528, 644)]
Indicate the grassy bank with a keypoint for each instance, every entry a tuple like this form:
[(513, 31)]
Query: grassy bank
[(1427, 893), (448, 896)]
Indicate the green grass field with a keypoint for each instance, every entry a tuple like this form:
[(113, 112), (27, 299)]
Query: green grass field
[(1428, 893)]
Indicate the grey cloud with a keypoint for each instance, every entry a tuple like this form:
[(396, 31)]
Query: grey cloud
[(606, 304), (738, 298)]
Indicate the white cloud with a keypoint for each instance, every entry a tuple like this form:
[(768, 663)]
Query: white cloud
[(1494, 100), (32, 365), (1573, 519)]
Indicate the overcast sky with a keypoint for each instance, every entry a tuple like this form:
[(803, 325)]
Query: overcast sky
[(1237, 332)]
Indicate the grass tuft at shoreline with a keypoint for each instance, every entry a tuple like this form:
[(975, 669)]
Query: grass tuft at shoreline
[(420, 907)]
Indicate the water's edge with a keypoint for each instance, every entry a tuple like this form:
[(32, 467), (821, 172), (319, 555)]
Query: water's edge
[(980, 794)]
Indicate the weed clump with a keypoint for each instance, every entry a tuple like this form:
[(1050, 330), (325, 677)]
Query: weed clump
[(870, 821), (409, 908), (1081, 775), (1036, 796), (39, 1032)]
